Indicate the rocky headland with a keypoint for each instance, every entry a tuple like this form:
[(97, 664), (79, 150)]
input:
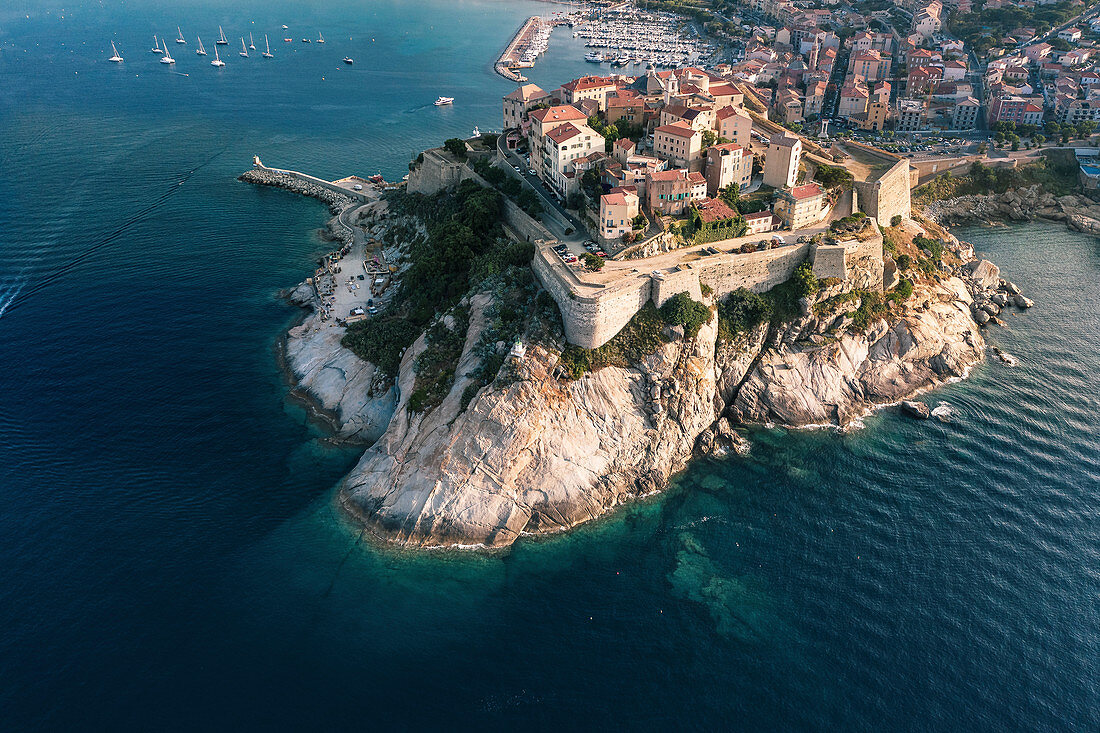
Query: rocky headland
[(530, 450), (1079, 213)]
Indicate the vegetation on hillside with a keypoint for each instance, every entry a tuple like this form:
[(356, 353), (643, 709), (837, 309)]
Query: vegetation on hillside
[(987, 29), (1055, 172), (743, 310)]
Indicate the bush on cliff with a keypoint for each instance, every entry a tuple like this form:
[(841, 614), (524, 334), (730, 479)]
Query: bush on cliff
[(642, 336), (742, 311), (381, 340), (681, 310), (456, 147)]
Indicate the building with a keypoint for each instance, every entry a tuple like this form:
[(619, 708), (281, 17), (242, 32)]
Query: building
[(781, 163), (801, 206), (1080, 110), (680, 144), (1012, 108), (671, 192), (854, 97), (625, 105), (761, 222), (617, 210), (595, 88), (874, 119), (965, 115), (544, 121), (734, 125), (727, 163), (910, 115), (564, 145), (1073, 35), (871, 65), (518, 102)]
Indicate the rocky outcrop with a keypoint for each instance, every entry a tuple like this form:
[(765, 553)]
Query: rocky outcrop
[(351, 393), (1026, 204), (832, 383), (532, 453)]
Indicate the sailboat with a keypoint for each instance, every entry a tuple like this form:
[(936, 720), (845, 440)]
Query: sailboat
[(156, 45), (179, 36), (200, 51), (115, 58), (222, 41), (320, 38), (243, 51), (217, 59), (251, 43), (167, 57), (267, 45)]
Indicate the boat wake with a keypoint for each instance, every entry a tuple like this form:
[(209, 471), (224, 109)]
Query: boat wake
[(9, 292)]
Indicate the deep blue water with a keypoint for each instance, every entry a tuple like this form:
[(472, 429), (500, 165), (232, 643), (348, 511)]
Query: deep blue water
[(169, 554)]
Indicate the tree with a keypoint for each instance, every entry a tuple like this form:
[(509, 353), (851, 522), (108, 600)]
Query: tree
[(709, 138), (730, 195), (982, 148), (592, 263), (1038, 140), (999, 138), (1014, 139), (456, 147), (1084, 128), (681, 310)]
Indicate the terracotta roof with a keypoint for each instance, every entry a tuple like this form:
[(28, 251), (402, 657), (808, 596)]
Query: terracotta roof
[(561, 133), (805, 191), (526, 93), (711, 210), (557, 114), (696, 177), (588, 82), (678, 129), (758, 215), (676, 174)]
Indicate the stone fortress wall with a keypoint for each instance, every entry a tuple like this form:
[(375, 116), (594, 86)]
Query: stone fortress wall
[(593, 313)]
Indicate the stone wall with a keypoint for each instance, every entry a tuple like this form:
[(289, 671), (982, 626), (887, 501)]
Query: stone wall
[(888, 195), (306, 178), (436, 171), (830, 261), (682, 280), (756, 271), (590, 320), (864, 263)]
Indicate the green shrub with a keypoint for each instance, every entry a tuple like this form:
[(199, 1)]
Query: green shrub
[(895, 220), (456, 147), (904, 262), (681, 310), (381, 341), (640, 337), (592, 263), (903, 291), (742, 311)]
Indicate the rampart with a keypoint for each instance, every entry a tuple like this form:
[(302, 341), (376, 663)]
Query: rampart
[(888, 195)]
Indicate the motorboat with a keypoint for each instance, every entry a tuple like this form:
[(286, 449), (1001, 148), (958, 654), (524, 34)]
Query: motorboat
[(306, 40), (444, 101), (594, 58), (115, 58), (349, 60)]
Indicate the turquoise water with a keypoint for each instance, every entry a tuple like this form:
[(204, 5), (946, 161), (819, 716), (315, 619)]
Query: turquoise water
[(169, 554)]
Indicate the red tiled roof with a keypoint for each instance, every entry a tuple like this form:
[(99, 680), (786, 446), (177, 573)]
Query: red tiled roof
[(561, 133), (805, 191), (557, 114), (588, 82), (679, 129)]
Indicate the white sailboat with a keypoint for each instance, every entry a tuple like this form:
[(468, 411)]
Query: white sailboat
[(243, 51), (222, 40), (251, 43), (217, 59), (179, 35), (115, 58), (320, 38), (156, 45), (200, 51), (267, 44), (167, 57)]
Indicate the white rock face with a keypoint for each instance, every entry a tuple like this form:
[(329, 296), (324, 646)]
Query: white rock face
[(537, 454), (346, 388)]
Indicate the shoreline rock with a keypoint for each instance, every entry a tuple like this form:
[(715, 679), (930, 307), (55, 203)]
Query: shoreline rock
[(1079, 213)]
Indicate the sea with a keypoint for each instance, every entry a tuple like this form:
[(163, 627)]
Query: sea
[(170, 555)]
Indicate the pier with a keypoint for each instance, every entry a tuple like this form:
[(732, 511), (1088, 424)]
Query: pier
[(512, 58)]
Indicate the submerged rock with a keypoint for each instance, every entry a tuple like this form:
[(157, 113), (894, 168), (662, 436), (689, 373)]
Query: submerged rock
[(919, 410)]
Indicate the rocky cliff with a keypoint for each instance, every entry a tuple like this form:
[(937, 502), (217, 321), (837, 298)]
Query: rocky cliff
[(536, 453), (1026, 204)]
